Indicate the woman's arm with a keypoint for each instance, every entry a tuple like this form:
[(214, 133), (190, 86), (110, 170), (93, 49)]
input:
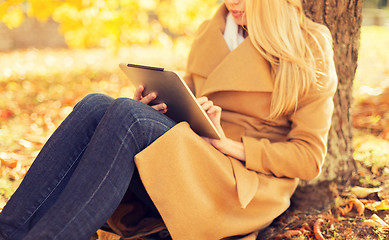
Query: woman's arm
[(302, 153), (225, 145)]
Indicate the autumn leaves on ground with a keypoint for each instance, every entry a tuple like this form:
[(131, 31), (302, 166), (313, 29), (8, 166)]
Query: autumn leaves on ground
[(38, 89)]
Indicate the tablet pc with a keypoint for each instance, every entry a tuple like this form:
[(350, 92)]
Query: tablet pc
[(172, 90)]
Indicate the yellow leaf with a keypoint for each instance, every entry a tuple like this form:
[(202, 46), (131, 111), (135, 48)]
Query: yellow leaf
[(42, 9), (148, 4), (378, 206), (14, 17), (6, 5), (79, 4), (3, 9)]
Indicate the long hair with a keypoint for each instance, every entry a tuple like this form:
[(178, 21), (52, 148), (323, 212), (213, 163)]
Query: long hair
[(295, 47)]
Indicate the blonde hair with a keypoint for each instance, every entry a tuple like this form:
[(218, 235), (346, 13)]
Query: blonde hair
[(286, 38)]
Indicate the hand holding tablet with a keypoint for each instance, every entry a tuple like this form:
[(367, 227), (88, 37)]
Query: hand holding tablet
[(173, 91)]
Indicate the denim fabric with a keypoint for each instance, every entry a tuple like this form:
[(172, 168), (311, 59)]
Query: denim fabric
[(83, 171)]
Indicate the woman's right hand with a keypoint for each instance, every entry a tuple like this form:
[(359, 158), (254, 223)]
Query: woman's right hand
[(138, 95), (213, 112)]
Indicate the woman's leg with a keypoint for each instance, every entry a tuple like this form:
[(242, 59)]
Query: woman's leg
[(53, 167), (104, 172)]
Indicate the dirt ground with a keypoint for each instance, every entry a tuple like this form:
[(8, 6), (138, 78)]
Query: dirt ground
[(323, 202)]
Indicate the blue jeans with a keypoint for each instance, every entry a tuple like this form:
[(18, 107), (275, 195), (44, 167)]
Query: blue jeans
[(83, 171)]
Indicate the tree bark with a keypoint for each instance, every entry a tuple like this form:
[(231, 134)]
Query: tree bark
[(343, 18)]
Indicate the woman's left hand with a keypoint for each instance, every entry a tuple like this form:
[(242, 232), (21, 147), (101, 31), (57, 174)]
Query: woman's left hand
[(224, 145), (138, 96)]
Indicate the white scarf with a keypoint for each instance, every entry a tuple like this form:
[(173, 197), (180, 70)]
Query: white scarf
[(231, 33)]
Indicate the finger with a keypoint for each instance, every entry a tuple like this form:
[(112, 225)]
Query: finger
[(162, 107), (208, 140), (202, 100), (213, 110), (138, 93), (207, 105), (216, 109), (163, 111), (150, 97)]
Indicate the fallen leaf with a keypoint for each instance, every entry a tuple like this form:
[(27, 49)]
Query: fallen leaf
[(6, 114), (26, 144), (384, 194), (362, 192), (378, 206), (359, 206), (345, 210), (376, 221), (289, 234), (316, 229), (376, 218)]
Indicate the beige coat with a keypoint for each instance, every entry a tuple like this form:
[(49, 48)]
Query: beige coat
[(205, 195)]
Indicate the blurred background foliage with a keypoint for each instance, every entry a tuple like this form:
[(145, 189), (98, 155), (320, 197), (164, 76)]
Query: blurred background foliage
[(113, 23), (375, 3)]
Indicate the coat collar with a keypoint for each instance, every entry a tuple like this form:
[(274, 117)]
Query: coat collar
[(243, 69)]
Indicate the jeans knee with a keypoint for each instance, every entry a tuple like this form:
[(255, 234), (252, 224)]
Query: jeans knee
[(94, 104), (144, 115), (127, 101), (144, 123), (129, 110), (127, 105), (94, 99)]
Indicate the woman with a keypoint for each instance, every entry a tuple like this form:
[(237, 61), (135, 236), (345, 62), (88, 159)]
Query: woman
[(275, 89)]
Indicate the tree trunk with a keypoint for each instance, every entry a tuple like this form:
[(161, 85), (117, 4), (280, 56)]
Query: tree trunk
[(343, 18)]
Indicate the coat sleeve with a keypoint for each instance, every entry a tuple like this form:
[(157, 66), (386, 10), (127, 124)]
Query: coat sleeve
[(303, 152)]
